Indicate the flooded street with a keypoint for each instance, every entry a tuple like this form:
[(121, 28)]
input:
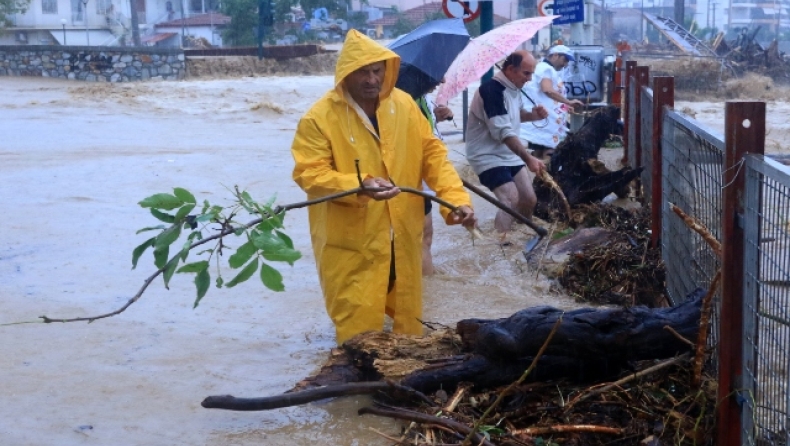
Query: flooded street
[(74, 161)]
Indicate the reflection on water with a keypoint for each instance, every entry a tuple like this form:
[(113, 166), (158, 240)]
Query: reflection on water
[(78, 160)]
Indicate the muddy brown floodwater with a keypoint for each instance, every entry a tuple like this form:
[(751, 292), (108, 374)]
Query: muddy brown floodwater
[(75, 159)]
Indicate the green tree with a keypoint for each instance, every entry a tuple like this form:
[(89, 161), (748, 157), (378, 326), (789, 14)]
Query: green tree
[(402, 25), (243, 22), (9, 8)]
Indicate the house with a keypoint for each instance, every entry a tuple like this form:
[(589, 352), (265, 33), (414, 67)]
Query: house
[(105, 22), (418, 15), (202, 28)]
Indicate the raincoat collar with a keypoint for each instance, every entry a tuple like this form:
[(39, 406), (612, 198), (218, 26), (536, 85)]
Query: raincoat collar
[(360, 50)]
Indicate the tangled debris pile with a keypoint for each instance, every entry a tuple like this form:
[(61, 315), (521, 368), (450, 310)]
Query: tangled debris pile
[(624, 271), (654, 408)]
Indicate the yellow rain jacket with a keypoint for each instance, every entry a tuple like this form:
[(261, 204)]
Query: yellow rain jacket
[(352, 236)]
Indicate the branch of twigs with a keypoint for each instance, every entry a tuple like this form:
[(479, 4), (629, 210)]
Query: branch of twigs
[(230, 229), (704, 324), (699, 228), (514, 384), (568, 428), (597, 390), (550, 181), (410, 415)]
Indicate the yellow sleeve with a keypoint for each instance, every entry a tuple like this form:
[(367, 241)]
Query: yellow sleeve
[(439, 173), (314, 170)]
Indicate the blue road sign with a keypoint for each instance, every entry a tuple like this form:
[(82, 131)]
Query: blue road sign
[(570, 11)]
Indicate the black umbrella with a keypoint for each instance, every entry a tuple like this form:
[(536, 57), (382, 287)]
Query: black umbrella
[(427, 52)]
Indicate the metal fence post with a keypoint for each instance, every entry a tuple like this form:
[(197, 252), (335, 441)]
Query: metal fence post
[(630, 67), (744, 124), (663, 96), (642, 78)]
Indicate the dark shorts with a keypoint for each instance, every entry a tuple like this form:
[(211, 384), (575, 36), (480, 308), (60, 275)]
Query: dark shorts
[(497, 176), (428, 206)]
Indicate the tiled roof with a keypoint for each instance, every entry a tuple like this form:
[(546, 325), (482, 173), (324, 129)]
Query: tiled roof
[(211, 18), (158, 37), (421, 13)]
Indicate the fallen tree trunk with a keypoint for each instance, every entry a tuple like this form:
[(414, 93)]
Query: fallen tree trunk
[(589, 345), (576, 168)]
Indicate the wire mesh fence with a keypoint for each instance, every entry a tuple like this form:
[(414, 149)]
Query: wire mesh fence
[(692, 168), (766, 409)]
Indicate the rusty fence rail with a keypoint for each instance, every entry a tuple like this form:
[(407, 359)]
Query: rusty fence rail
[(744, 200)]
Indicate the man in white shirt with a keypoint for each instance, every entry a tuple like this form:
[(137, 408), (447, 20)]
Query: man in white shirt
[(547, 88)]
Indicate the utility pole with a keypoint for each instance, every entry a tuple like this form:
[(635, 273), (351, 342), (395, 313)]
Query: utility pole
[(135, 22), (680, 12), (265, 18), (487, 24)]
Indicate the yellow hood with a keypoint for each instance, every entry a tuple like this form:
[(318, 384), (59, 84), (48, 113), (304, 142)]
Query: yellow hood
[(360, 50)]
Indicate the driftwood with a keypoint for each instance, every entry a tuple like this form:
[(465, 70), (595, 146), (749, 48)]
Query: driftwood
[(576, 169), (589, 345), (230, 402)]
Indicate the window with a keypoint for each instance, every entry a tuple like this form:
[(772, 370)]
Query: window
[(104, 7), (49, 6)]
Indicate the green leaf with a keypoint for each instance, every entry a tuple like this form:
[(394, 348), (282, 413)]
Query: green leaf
[(162, 216), (184, 211), (170, 269), (287, 240), (205, 218), (184, 195), (275, 248), (270, 201), (168, 236), (242, 255), (271, 278), (246, 201), (151, 228), (266, 241), (202, 281), (160, 255), (244, 274), (271, 223), (161, 201), (139, 250), (206, 205), (194, 267)]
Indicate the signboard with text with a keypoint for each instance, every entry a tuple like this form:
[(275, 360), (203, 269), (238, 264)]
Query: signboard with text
[(569, 11)]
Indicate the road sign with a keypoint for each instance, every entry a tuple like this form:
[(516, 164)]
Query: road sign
[(468, 10), (570, 11), (546, 8)]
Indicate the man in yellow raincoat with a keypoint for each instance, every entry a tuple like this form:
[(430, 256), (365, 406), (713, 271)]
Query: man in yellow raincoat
[(367, 246)]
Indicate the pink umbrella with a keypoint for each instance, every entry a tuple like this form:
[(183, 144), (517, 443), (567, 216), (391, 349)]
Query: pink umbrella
[(481, 53)]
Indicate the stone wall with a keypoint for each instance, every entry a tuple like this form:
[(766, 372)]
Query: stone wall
[(90, 63)]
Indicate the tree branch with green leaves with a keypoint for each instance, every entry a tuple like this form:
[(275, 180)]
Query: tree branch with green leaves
[(264, 241)]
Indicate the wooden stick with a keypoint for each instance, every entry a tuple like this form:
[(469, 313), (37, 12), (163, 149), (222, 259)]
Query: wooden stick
[(410, 415), (704, 324), (550, 181), (456, 398), (230, 402), (563, 428), (620, 382), (678, 335), (699, 228)]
